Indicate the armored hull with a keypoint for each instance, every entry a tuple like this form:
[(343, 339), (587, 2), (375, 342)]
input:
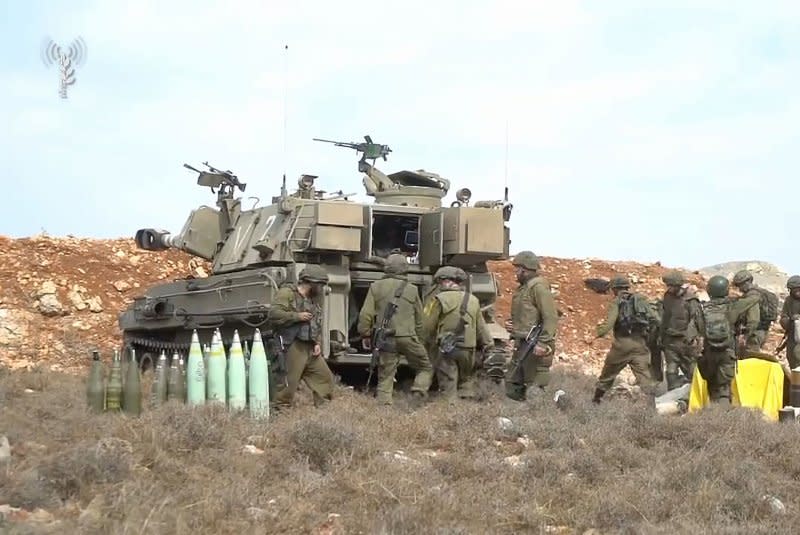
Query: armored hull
[(254, 252)]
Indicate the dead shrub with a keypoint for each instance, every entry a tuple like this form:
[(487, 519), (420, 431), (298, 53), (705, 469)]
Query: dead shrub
[(322, 443)]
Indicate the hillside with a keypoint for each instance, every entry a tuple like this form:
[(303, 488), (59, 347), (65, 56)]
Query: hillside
[(60, 297)]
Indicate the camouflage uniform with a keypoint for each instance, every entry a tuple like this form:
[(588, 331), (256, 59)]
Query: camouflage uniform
[(678, 329), (455, 372), (718, 366), (790, 311), (406, 327), (532, 302), (628, 348), (756, 338), (302, 337), (430, 344)]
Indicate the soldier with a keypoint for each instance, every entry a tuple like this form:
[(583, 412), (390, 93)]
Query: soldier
[(631, 317), (298, 320), (717, 325), (455, 312), (405, 329), (679, 329), (768, 307), (532, 303), (790, 313)]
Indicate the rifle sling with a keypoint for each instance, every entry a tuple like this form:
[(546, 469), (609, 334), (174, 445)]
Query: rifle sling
[(462, 320), (391, 306)]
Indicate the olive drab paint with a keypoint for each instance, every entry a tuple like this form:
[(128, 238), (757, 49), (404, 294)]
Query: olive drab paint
[(237, 382), (114, 389), (252, 250), (258, 394), (206, 354), (95, 389), (158, 390), (132, 389), (217, 370), (195, 373)]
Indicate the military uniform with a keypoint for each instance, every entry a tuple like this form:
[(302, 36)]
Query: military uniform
[(717, 365), (456, 371), (304, 360), (678, 329), (790, 311), (756, 337), (405, 326), (629, 348), (531, 303)]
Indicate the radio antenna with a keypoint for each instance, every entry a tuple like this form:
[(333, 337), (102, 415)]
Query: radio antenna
[(505, 175), (285, 114)]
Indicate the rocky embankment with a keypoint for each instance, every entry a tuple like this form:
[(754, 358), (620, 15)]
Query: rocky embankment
[(60, 297)]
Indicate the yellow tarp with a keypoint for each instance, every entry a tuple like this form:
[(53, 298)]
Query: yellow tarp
[(758, 383)]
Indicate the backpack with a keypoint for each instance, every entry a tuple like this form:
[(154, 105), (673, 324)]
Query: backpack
[(767, 306), (634, 314), (719, 334)]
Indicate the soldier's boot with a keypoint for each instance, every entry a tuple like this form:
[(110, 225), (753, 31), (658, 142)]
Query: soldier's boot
[(598, 395), (673, 381), (417, 399)]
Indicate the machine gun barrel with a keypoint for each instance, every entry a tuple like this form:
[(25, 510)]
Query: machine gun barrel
[(370, 151), (339, 143)]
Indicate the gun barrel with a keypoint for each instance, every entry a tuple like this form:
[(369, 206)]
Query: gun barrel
[(338, 143)]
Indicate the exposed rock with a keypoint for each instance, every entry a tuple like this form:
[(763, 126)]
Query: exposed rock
[(49, 305), (47, 288), (5, 450), (122, 286), (95, 304), (766, 275), (76, 299)]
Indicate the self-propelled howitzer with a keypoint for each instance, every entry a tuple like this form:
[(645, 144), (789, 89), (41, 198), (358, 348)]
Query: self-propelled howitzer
[(254, 251)]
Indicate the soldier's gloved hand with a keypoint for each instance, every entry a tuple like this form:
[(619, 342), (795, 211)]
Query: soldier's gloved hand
[(317, 350), (540, 350), (305, 316)]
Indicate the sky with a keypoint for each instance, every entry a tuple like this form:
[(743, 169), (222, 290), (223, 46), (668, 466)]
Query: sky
[(649, 131)]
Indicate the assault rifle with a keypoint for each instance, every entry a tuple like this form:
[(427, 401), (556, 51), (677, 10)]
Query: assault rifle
[(449, 341), (383, 332), (526, 347)]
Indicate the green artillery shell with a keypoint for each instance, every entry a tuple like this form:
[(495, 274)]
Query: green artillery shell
[(258, 379), (114, 390), (158, 391), (132, 389), (195, 373), (95, 390), (237, 382), (174, 380), (217, 364)]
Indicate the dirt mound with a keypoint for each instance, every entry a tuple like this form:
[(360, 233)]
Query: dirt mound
[(60, 297)]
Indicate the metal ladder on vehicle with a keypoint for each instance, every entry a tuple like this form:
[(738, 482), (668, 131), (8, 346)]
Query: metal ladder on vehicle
[(290, 236)]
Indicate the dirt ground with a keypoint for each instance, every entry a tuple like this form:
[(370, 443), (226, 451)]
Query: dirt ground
[(354, 467), (60, 297)]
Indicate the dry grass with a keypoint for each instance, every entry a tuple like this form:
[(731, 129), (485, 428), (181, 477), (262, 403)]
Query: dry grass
[(616, 468)]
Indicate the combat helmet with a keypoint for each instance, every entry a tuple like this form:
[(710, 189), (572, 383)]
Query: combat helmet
[(313, 274), (620, 282), (450, 273), (396, 264), (717, 286), (742, 277), (673, 278), (793, 282), (526, 259)]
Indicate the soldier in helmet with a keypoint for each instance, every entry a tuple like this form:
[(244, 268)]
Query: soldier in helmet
[(679, 328), (298, 320), (631, 317), (405, 328), (717, 325), (454, 312), (789, 314), (754, 339), (531, 304)]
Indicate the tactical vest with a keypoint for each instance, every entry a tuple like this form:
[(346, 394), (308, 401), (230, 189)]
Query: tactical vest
[(524, 313), (450, 301), (305, 331), (676, 315)]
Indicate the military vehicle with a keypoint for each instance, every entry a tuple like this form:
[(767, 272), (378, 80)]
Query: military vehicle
[(254, 251)]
